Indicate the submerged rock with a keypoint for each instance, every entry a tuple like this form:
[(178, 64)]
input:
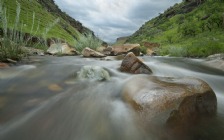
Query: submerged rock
[(3, 65), (87, 52), (94, 73), (110, 58), (133, 65), (62, 49), (176, 101)]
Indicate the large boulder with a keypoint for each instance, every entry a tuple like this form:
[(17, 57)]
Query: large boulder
[(215, 61), (132, 64), (87, 52), (123, 49), (219, 56), (94, 73), (62, 49), (174, 101), (108, 50)]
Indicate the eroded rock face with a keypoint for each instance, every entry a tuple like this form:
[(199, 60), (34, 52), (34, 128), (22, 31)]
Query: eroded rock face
[(94, 73), (87, 52), (62, 49), (133, 65), (174, 100)]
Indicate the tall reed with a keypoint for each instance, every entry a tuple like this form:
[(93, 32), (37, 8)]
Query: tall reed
[(10, 43)]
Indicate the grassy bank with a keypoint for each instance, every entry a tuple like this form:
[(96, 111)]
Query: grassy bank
[(186, 29), (31, 23), (36, 18)]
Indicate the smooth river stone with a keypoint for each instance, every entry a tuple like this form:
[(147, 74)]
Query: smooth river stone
[(171, 100)]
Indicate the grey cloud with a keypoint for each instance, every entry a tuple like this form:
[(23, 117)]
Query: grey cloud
[(109, 23)]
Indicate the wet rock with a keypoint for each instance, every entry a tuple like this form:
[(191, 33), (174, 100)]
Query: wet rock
[(133, 65), (175, 101), (54, 87), (11, 61), (87, 52), (122, 49), (108, 51), (3, 65), (111, 58), (61, 49), (215, 61), (94, 73), (216, 57), (33, 51)]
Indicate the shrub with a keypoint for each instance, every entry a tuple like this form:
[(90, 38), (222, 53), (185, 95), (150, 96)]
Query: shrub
[(172, 51), (204, 49), (143, 49), (13, 38), (88, 41), (188, 29)]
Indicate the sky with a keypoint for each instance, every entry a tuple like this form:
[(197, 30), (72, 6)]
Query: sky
[(110, 19)]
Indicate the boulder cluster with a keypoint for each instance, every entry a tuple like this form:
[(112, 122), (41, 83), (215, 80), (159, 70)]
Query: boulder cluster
[(178, 102)]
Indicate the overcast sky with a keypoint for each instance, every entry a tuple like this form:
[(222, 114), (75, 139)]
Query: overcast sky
[(110, 19)]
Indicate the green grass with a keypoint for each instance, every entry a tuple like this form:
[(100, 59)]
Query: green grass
[(12, 40), (23, 21), (88, 41), (43, 19), (186, 34)]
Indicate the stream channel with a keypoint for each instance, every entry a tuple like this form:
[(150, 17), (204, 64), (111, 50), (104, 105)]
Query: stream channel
[(44, 100)]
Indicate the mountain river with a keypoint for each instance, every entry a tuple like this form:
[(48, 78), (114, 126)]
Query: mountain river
[(43, 100)]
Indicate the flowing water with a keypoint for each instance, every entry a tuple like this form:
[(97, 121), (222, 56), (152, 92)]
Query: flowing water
[(44, 100)]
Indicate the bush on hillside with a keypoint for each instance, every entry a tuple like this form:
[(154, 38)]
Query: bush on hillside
[(188, 29), (143, 49), (88, 41)]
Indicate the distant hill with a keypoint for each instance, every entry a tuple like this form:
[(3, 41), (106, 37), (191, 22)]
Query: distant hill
[(192, 28), (121, 40), (44, 16)]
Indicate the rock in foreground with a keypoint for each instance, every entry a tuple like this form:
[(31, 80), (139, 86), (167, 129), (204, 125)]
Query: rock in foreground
[(94, 73), (87, 52), (133, 65), (174, 100)]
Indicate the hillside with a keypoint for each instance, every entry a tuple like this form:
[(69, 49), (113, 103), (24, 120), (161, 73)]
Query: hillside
[(43, 18), (187, 29)]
